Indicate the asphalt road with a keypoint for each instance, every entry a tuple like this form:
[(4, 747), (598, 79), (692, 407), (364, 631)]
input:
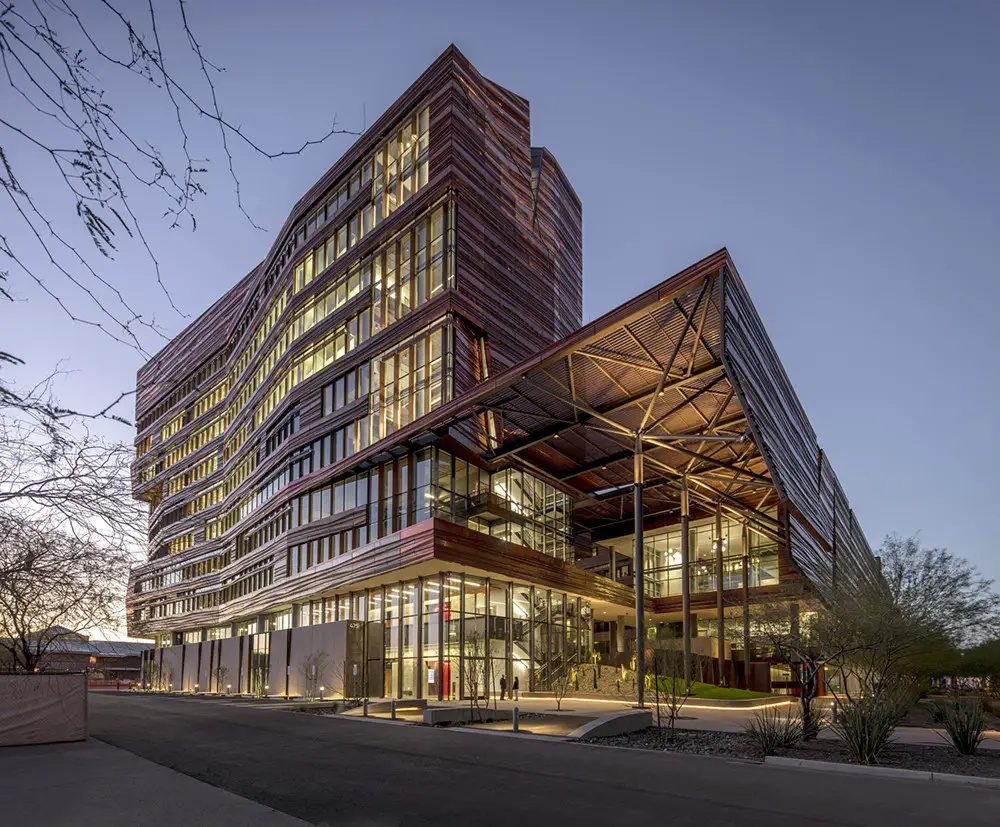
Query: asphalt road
[(339, 771)]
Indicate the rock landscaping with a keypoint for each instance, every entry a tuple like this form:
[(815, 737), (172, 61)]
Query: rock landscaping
[(943, 759)]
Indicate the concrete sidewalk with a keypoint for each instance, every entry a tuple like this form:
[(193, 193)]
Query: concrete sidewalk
[(93, 784)]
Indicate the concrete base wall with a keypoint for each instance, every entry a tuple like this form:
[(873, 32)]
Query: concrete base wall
[(299, 662), (615, 723), (42, 709), (317, 659), (206, 682), (278, 664), (170, 667), (190, 666), (229, 660), (462, 714)]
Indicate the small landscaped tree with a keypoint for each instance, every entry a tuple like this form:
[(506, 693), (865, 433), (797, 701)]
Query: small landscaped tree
[(475, 672), (313, 672), (562, 681), (804, 641), (666, 665), (152, 677), (221, 675)]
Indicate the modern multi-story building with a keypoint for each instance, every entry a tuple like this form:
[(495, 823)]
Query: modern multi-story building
[(395, 426)]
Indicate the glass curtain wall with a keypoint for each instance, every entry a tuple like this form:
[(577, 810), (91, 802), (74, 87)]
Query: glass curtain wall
[(663, 559), (453, 636)]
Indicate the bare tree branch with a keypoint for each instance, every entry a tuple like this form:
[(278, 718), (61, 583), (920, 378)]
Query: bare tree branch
[(58, 57), (53, 585)]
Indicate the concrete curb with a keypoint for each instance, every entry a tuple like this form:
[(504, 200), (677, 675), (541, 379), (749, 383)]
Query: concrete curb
[(371, 719), (881, 772), (529, 736)]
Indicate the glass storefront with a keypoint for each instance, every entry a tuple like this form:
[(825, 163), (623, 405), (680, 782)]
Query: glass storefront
[(454, 635)]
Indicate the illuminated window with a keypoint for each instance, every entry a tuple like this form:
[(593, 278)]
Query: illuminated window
[(172, 427), (410, 381), (178, 544)]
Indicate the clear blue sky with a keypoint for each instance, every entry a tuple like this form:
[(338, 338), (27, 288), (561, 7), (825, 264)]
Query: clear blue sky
[(844, 152)]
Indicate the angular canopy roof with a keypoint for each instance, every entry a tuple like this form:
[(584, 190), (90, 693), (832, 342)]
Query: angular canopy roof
[(689, 368)]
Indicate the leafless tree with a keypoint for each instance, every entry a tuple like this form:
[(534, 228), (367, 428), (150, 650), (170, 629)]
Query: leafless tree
[(152, 677), (564, 678), (345, 680), (667, 672), (259, 676), (562, 682), (70, 147), (53, 585), (80, 482), (221, 675), (313, 672), (475, 672)]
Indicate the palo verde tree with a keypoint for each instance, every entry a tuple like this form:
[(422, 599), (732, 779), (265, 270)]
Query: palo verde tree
[(884, 633), (801, 633), (902, 626)]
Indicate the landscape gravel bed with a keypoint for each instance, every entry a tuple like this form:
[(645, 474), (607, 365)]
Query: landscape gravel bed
[(942, 759), (907, 757), (703, 742)]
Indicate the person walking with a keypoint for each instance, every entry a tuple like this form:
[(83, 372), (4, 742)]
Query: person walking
[(503, 686), (514, 689)]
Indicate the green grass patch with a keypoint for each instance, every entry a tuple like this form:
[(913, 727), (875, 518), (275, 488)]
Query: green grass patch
[(710, 691)]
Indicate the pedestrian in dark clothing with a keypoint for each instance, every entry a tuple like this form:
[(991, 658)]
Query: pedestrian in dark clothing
[(503, 686), (514, 689)]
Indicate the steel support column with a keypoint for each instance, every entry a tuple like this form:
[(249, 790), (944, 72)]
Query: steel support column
[(746, 604), (719, 603), (686, 581), (637, 565)]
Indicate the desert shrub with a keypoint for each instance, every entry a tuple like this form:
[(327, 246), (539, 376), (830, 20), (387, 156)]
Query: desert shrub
[(866, 725), (772, 728), (964, 722)]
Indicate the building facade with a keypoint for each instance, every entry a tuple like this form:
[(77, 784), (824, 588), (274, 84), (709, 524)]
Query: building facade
[(397, 426)]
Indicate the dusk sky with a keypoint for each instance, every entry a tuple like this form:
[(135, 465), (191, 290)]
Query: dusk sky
[(846, 154)]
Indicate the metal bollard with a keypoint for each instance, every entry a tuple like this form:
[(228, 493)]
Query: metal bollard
[(364, 709), (392, 709), (515, 719)]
